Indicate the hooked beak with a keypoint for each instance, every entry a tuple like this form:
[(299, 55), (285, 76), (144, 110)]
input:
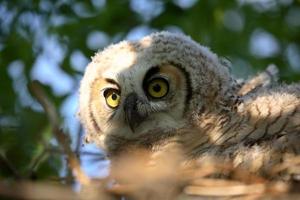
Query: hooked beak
[(132, 115)]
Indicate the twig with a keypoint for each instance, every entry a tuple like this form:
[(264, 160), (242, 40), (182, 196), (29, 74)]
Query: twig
[(232, 190), (220, 187), (82, 153), (36, 162), (30, 190), (5, 163), (78, 142), (122, 189), (62, 138), (61, 179)]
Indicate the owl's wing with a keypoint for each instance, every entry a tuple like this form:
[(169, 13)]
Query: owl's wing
[(262, 79)]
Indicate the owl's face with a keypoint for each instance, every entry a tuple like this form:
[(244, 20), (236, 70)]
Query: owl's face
[(141, 92)]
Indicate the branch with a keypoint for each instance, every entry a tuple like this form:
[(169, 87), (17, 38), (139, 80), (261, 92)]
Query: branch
[(62, 138), (30, 190), (78, 142), (35, 162), (81, 153), (6, 164)]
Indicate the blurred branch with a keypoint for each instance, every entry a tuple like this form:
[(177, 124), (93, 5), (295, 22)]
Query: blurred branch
[(65, 179), (82, 153), (5, 163), (30, 190), (78, 142), (62, 138), (36, 161)]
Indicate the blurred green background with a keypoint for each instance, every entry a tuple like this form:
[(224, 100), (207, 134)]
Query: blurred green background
[(52, 41)]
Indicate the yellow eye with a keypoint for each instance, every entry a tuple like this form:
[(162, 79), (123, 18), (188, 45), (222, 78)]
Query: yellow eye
[(112, 98), (158, 88)]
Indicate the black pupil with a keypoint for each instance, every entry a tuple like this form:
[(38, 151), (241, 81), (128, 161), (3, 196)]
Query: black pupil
[(156, 88), (114, 96)]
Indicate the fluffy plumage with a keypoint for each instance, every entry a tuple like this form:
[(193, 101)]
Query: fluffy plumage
[(255, 123)]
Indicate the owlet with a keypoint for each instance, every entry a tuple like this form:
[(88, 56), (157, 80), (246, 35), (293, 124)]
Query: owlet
[(168, 88)]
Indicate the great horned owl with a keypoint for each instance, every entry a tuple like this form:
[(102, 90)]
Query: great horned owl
[(167, 88)]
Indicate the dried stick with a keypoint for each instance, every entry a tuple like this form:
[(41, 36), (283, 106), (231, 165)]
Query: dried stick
[(30, 190), (231, 190), (62, 138)]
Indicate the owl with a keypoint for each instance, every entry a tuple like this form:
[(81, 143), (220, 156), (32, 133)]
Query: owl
[(167, 89)]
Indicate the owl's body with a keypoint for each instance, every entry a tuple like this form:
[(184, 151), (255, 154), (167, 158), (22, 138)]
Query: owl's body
[(166, 89)]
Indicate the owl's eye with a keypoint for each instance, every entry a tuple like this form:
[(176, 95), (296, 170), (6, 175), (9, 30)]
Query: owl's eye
[(157, 88), (112, 97)]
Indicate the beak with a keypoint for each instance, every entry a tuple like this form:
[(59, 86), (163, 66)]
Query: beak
[(132, 115)]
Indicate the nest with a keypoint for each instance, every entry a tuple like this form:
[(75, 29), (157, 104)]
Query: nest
[(167, 175)]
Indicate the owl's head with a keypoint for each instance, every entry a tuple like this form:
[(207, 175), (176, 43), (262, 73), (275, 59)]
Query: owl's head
[(144, 91)]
